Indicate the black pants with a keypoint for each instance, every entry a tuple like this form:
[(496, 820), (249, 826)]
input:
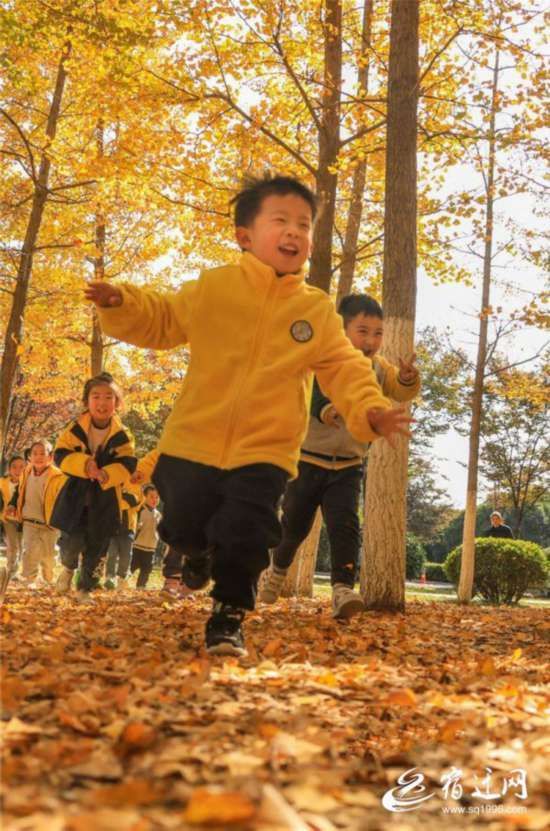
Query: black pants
[(337, 493), (92, 543), (231, 512), (142, 561)]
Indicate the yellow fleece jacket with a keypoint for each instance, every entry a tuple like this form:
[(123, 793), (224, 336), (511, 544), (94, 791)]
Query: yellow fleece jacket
[(255, 339)]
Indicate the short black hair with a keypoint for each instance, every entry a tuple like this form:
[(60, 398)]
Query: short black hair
[(148, 488), (17, 458), (359, 304), (248, 201), (103, 379)]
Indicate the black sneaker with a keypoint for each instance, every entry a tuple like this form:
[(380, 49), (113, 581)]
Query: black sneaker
[(196, 571), (224, 635)]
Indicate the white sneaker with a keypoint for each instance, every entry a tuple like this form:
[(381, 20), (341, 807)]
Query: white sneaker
[(64, 581), (121, 584), (272, 585), (345, 602)]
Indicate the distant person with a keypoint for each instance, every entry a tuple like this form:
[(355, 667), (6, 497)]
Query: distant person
[(12, 530), (498, 528), (32, 504), (147, 538)]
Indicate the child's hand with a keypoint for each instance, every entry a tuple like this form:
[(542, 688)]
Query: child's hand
[(137, 478), (103, 294), (388, 422), (102, 476), (92, 470), (10, 512), (330, 417), (408, 372)]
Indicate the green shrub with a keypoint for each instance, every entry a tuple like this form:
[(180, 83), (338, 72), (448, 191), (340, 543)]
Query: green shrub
[(504, 569), (416, 557), (436, 573)]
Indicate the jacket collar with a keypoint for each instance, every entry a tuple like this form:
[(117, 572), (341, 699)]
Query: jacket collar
[(85, 421), (261, 275)]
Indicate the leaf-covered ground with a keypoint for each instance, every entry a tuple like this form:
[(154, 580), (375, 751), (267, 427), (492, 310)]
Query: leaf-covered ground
[(114, 718)]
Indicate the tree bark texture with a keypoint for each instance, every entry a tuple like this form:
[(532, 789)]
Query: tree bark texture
[(299, 580), (320, 273), (467, 568), (383, 567)]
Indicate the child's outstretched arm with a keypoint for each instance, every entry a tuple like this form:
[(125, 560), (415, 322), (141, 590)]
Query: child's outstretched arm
[(145, 318), (401, 383), (389, 423)]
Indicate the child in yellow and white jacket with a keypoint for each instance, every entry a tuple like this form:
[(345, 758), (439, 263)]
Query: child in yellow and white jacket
[(96, 451), (33, 504)]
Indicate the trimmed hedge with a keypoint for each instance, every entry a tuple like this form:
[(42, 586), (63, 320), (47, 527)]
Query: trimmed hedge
[(504, 569), (436, 573), (416, 557)]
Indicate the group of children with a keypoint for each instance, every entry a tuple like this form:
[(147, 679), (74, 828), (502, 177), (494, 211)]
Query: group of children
[(79, 497), (258, 333)]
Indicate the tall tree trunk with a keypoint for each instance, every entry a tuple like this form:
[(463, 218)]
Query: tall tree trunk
[(351, 237), (14, 330), (99, 267), (383, 573), (466, 581), (299, 580), (320, 272)]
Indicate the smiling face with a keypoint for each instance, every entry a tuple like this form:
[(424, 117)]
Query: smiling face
[(366, 333), (152, 498), (102, 403), (16, 469), (281, 233), (40, 458), (496, 520)]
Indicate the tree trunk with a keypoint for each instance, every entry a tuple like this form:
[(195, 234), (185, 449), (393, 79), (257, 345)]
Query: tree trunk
[(320, 272), (383, 571), (466, 581), (299, 580), (14, 330), (351, 237), (99, 268)]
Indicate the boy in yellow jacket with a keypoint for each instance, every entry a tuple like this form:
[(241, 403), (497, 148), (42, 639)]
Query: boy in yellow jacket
[(256, 331), (33, 504)]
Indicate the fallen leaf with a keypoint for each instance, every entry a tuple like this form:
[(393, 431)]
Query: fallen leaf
[(215, 807)]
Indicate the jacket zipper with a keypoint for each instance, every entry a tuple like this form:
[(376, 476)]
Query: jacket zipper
[(254, 352)]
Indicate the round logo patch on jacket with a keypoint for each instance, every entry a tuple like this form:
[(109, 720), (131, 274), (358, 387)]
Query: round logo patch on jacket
[(301, 331)]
